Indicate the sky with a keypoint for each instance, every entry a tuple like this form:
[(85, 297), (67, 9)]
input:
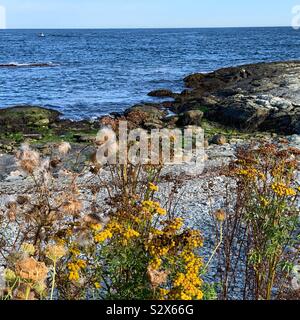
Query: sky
[(145, 13)]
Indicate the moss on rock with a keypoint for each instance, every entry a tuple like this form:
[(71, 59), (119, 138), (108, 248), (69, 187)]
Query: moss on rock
[(26, 119)]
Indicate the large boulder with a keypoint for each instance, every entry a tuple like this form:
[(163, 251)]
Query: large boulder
[(242, 112), (162, 93), (26, 119), (148, 114), (218, 139), (190, 118), (263, 96)]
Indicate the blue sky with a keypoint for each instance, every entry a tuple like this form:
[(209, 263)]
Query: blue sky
[(146, 13)]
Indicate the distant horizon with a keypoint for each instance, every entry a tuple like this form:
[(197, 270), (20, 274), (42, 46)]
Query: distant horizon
[(147, 28)]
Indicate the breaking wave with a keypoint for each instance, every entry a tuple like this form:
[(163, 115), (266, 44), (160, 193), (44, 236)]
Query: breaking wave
[(28, 65)]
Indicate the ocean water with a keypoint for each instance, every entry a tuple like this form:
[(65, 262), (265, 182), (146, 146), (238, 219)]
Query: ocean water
[(88, 73)]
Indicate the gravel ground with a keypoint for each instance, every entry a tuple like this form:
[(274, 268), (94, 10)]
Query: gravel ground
[(199, 196)]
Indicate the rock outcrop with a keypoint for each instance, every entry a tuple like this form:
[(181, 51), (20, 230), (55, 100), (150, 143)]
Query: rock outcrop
[(264, 96), (26, 119), (256, 97), (162, 93)]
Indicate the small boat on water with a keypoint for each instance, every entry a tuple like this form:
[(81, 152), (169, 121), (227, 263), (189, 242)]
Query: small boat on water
[(41, 35)]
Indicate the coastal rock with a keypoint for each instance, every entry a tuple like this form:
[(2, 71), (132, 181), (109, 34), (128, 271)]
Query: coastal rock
[(218, 139), (26, 118), (191, 118), (81, 138), (294, 141), (155, 124), (140, 115), (113, 123), (263, 96), (162, 93), (7, 165), (243, 112)]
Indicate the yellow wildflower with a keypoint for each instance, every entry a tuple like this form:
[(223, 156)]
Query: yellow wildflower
[(264, 202), (74, 251), (96, 227), (153, 187), (130, 233), (103, 236), (155, 264), (283, 190), (161, 211), (74, 276), (81, 263), (97, 285)]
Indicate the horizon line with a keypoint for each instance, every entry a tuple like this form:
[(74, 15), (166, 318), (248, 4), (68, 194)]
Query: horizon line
[(142, 28)]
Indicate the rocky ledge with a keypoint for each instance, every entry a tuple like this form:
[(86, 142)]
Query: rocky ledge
[(263, 96), (256, 97)]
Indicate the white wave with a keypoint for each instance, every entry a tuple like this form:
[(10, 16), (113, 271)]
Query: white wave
[(33, 64)]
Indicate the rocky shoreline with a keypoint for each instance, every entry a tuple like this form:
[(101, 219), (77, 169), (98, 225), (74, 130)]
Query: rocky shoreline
[(238, 101)]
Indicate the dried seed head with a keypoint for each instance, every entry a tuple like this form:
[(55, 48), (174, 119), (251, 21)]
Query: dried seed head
[(157, 278), (73, 207), (29, 160), (55, 252), (64, 148), (30, 269), (9, 275), (92, 219), (220, 215), (28, 249)]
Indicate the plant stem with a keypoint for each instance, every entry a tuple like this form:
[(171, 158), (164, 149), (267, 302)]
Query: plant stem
[(216, 248), (27, 292), (53, 280)]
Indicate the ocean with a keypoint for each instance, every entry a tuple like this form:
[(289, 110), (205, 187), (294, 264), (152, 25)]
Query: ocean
[(88, 73)]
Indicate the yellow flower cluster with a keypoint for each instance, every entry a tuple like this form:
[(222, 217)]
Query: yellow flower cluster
[(163, 293), (193, 240), (251, 173), (74, 251), (153, 207), (130, 233), (97, 285), (75, 268), (187, 286), (103, 236), (96, 227), (265, 202), (153, 187), (156, 263), (173, 226), (283, 190), (115, 228)]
